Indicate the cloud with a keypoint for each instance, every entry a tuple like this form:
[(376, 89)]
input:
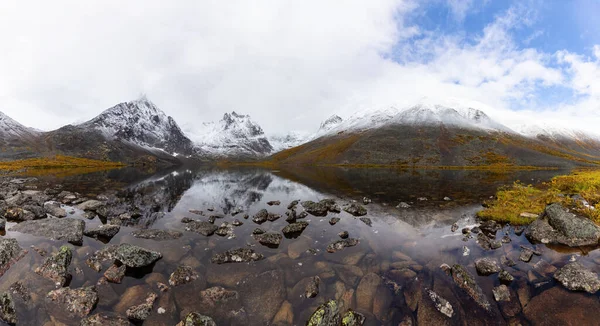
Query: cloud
[(460, 8)]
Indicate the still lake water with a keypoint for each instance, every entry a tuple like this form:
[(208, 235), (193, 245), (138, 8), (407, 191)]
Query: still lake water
[(401, 250)]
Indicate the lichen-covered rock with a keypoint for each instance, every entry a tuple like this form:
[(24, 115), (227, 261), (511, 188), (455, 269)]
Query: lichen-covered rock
[(134, 256), (366, 220), (196, 319), (201, 227), (7, 309), (312, 288), (293, 204), (56, 266), (105, 319), (294, 228), (10, 252), (316, 209), (274, 203), (106, 231), (239, 255), (115, 274), (328, 314), (559, 226), (344, 234), (341, 244), (353, 318), (501, 293), (142, 312), (261, 216), (258, 231), (576, 277), (487, 266), (156, 234), (183, 274), (355, 209), (442, 305), (270, 239), (505, 277), (105, 254), (76, 302), (67, 229), (466, 281)]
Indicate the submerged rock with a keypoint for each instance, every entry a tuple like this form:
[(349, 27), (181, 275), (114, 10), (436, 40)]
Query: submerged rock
[(558, 226), (312, 288), (525, 254), (366, 220), (466, 281), (201, 227), (328, 314), (67, 229), (344, 234), (501, 293), (487, 266), (442, 305), (341, 244), (196, 319), (505, 277), (156, 234), (353, 318), (106, 231), (576, 277), (269, 239), (183, 274), (142, 312), (294, 228), (10, 252), (105, 319), (355, 209), (134, 256), (8, 312), (102, 255), (115, 274), (240, 255), (77, 302), (56, 266)]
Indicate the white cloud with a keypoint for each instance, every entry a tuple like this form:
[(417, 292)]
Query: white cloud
[(460, 8)]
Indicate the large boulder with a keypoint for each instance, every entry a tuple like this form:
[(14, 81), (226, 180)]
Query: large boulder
[(67, 229), (559, 226), (56, 267), (576, 277), (264, 294), (467, 282), (76, 302), (328, 314), (201, 227), (106, 231), (558, 306), (134, 256), (487, 266)]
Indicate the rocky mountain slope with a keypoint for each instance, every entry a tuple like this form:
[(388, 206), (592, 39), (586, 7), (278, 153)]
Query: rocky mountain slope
[(234, 136), (435, 135)]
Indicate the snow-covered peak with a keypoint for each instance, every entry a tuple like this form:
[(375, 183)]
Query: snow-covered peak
[(330, 123), (289, 140), (554, 132), (462, 117), (11, 128), (235, 134), (141, 122)]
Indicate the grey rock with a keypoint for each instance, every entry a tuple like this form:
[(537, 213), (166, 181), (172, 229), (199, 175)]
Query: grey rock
[(294, 228), (115, 274), (366, 220), (53, 208), (487, 266), (467, 283), (341, 244), (239, 255), (105, 231), (366, 201), (196, 319), (10, 253), (334, 220), (2, 224), (501, 293), (105, 319), (344, 234), (312, 288), (269, 239), (558, 226), (201, 227), (76, 302), (67, 229), (156, 234), (183, 274), (355, 209), (142, 312), (90, 205), (134, 256), (293, 204), (237, 222), (576, 277), (316, 209), (8, 313), (108, 253), (454, 227), (260, 217), (505, 277), (56, 267), (274, 203), (258, 231), (442, 305), (525, 255)]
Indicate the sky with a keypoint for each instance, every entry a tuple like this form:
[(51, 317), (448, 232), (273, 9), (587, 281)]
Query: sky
[(292, 64)]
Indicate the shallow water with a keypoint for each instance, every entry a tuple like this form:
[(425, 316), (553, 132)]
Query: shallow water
[(403, 245)]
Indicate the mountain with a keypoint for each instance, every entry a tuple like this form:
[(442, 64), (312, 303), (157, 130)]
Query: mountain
[(234, 136), (16, 140), (289, 140), (430, 134)]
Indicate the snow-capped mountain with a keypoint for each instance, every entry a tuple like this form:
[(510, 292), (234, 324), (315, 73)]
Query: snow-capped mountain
[(553, 132), (234, 135), (142, 123), (289, 140), (11, 129)]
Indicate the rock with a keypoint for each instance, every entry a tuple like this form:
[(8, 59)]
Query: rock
[(341, 244), (466, 281), (186, 220), (56, 266), (525, 255), (2, 224), (466, 231), (90, 205), (10, 253), (285, 315), (237, 222), (564, 307), (355, 210), (576, 277), (316, 209), (76, 302), (476, 230), (454, 227), (366, 291), (102, 255), (294, 229), (8, 312), (134, 256), (106, 231), (105, 319), (142, 312), (183, 274), (558, 226), (490, 228), (353, 318), (201, 227), (507, 261), (258, 231), (274, 203), (273, 217), (366, 220), (505, 239), (158, 235), (196, 319), (225, 229), (269, 239), (466, 251), (293, 204), (501, 293), (240, 255), (442, 305), (327, 314), (264, 294), (528, 215), (403, 205), (505, 277), (487, 266), (115, 274), (260, 217), (302, 215), (519, 230), (53, 208), (366, 201), (343, 234), (312, 288), (334, 220), (67, 229), (488, 243)]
